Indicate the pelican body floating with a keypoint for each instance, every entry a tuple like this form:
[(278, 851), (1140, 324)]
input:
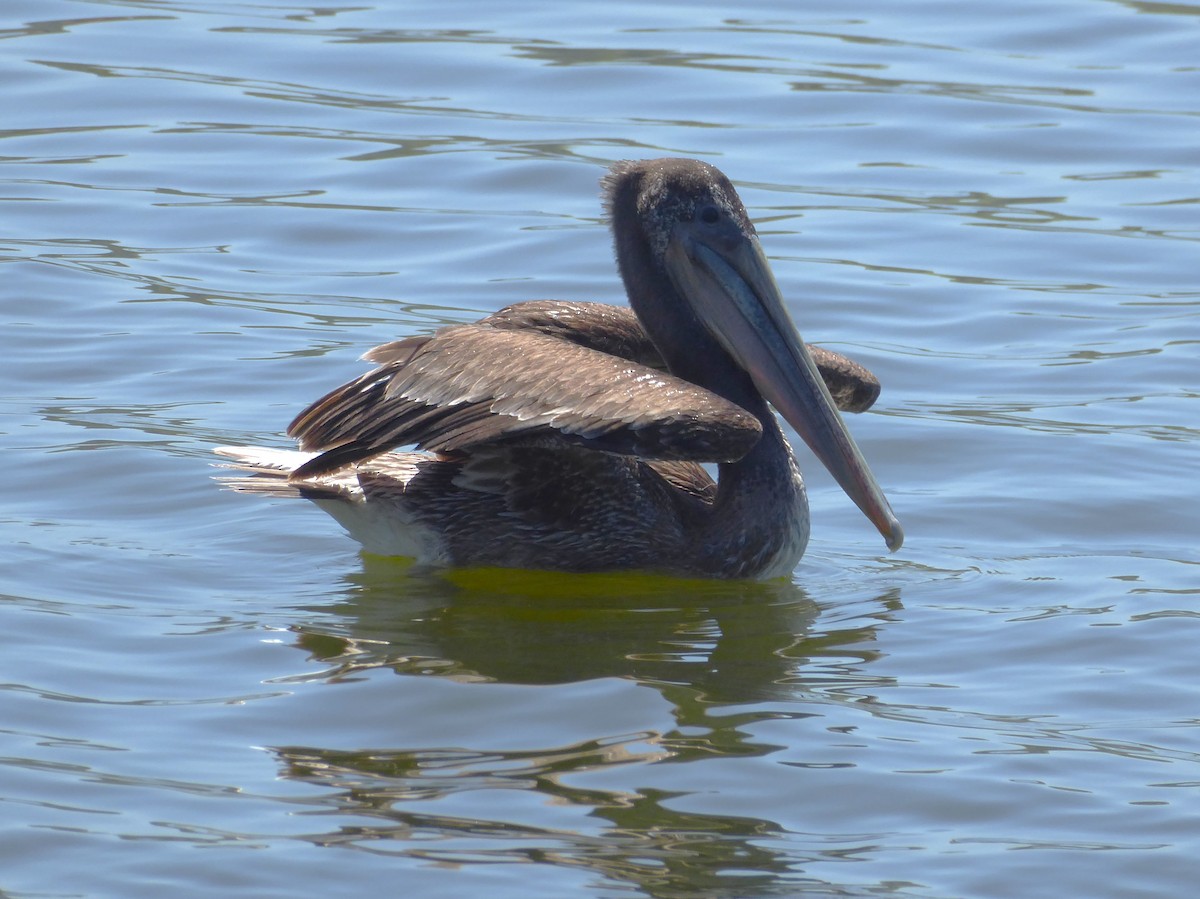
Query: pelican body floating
[(571, 436)]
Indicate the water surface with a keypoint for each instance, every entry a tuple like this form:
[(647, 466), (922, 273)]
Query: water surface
[(210, 209)]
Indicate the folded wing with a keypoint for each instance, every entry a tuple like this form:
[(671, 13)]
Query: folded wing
[(536, 373)]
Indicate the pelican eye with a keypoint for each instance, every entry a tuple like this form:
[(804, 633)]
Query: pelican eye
[(710, 215)]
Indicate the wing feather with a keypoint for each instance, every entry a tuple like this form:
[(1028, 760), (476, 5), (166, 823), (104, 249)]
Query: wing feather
[(474, 384), (616, 331), (540, 372)]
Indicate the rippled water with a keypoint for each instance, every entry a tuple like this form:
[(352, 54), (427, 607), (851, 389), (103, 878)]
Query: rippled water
[(211, 208)]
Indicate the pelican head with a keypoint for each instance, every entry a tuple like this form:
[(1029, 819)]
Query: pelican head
[(698, 279)]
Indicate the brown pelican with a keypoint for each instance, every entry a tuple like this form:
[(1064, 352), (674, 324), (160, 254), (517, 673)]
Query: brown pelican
[(570, 436)]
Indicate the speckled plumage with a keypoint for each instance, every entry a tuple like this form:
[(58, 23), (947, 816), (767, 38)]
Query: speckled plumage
[(569, 436)]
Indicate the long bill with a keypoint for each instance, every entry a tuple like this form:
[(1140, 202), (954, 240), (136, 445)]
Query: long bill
[(733, 293)]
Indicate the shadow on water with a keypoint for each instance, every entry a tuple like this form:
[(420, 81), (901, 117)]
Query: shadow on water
[(717, 652)]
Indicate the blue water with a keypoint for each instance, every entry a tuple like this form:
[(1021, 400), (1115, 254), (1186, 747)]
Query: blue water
[(210, 209)]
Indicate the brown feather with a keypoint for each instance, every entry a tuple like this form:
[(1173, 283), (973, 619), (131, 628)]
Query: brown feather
[(535, 372), (473, 384)]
